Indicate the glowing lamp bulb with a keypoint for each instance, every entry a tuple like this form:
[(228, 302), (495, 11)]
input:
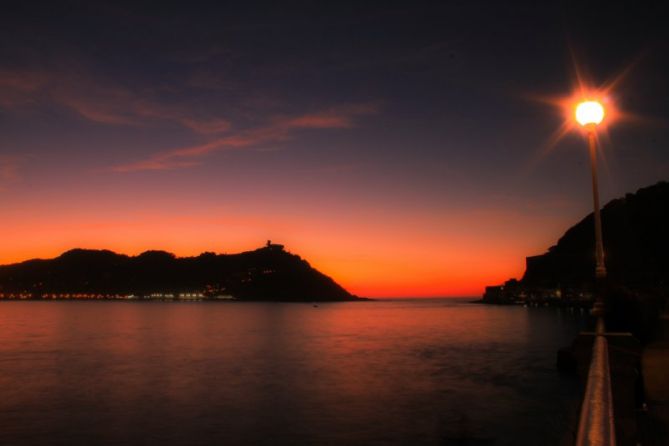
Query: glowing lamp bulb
[(589, 112)]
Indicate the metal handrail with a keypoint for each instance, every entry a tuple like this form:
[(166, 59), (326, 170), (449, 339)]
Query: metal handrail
[(596, 426)]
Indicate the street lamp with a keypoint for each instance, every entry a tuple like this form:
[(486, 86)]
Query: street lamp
[(597, 424), (590, 114)]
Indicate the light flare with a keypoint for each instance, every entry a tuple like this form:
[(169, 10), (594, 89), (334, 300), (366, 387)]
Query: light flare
[(586, 107)]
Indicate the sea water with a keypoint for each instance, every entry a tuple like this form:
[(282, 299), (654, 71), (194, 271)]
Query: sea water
[(406, 372)]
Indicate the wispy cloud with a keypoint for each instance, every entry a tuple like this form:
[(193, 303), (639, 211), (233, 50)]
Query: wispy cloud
[(17, 87), (279, 129), (121, 106), (338, 117), (101, 101)]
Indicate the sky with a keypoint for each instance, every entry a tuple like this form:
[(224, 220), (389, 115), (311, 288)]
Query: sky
[(403, 148)]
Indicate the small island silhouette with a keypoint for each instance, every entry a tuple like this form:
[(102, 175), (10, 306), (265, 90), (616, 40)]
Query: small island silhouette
[(269, 273)]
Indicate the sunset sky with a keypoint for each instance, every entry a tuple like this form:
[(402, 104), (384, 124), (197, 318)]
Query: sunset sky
[(403, 148)]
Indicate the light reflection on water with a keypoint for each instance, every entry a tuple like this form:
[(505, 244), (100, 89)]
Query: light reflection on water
[(388, 372)]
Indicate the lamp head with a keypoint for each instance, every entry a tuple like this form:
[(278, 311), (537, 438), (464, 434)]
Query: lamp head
[(589, 113)]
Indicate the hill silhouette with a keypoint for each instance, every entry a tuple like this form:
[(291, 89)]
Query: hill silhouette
[(268, 273), (636, 243)]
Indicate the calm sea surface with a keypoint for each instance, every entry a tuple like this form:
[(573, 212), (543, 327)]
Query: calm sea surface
[(429, 372)]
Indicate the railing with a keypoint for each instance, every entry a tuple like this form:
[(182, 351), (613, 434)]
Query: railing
[(596, 427)]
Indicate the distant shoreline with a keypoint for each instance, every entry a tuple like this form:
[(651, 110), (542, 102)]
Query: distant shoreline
[(199, 300)]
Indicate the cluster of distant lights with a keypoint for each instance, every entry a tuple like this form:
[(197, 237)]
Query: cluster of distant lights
[(25, 295)]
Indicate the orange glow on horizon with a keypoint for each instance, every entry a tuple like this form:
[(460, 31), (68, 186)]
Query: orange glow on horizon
[(367, 279), (457, 258)]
